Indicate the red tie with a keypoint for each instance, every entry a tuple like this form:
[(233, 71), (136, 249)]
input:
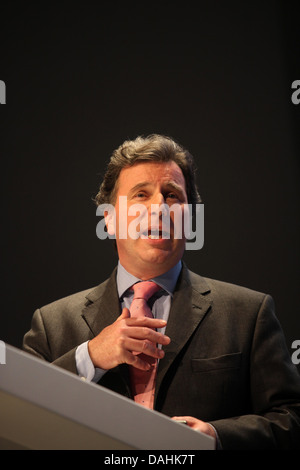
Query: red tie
[(143, 382)]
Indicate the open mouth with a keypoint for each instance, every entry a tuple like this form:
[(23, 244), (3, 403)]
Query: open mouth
[(155, 234)]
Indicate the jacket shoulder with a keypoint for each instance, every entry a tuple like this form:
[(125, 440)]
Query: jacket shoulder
[(76, 301), (236, 307), (227, 292), (68, 302)]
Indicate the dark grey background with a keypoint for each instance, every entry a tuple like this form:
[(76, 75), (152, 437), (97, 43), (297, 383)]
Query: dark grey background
[(216, 76)]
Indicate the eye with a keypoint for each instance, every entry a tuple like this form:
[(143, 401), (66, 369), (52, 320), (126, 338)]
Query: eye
[(140, 195), (172, 196)]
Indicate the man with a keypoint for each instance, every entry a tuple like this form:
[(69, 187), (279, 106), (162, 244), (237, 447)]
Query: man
[(219, 356)]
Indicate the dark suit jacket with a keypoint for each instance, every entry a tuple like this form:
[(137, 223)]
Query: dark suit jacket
[(227, 362)]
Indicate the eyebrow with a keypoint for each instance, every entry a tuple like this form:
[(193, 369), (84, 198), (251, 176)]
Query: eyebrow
[(138, 186), (167, 185)]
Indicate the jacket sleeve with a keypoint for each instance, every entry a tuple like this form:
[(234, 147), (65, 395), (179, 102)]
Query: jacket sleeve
[(275, 393), (36, 342)]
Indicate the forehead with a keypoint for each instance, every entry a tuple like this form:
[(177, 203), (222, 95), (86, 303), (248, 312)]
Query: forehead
[(155, 173)]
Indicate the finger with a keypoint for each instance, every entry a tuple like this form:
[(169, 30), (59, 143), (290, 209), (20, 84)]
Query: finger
[(145, 347), (181, 418), (146, 321), (125, 314), (188, 420), (149, 334), (137, 362)]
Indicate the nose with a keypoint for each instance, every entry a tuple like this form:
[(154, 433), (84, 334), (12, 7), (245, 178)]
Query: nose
[(158, 198), (158, 206)]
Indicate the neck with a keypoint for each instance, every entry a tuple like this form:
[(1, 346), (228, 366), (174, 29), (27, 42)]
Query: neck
[(166, 273)]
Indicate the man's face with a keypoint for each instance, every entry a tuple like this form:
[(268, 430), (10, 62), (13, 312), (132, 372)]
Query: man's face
[(150, 183)]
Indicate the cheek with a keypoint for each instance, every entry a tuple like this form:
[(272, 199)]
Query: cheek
[(122, 222), (125, 248)]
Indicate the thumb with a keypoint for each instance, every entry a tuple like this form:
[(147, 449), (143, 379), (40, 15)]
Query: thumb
[(125, 314)]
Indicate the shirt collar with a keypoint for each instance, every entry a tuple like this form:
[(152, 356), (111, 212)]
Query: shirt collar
[(167, 280)]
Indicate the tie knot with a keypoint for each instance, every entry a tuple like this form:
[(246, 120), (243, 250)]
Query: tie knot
[(144, 289)]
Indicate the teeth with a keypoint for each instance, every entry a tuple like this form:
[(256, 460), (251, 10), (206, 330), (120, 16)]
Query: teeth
[(156, 235)]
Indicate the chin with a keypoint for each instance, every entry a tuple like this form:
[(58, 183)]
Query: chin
[(160, 258)]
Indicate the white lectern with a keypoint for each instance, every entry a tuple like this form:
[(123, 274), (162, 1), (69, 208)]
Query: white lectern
[(45, 407)]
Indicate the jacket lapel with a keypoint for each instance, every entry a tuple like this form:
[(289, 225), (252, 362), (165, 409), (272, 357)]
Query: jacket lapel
[(102, 309), (189, 306), (103, 306)]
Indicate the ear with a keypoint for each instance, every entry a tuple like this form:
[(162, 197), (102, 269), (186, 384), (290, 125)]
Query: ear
[(110, 222)]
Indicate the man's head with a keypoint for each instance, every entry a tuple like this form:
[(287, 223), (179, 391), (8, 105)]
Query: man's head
[(153, 148), (149, 171)]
